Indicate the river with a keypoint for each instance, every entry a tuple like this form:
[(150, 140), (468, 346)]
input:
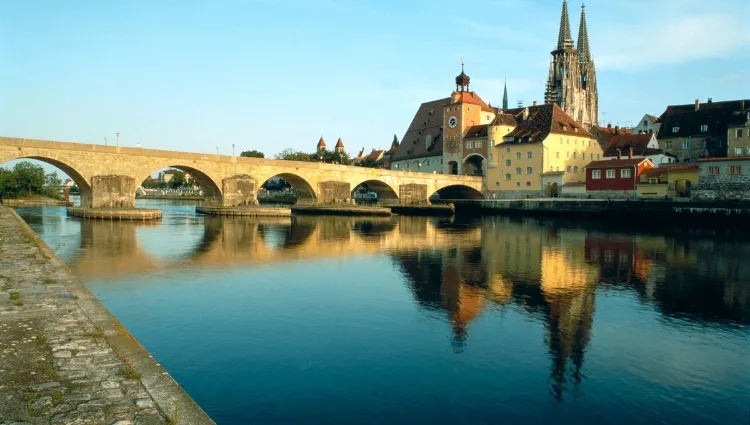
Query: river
[(406, 320)]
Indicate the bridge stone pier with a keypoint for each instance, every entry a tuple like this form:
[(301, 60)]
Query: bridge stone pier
[(108, 176)]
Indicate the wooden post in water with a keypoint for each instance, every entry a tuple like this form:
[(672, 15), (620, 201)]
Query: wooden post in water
[(67, 195)]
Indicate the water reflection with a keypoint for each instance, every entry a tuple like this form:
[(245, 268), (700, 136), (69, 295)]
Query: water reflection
[(550, 273)]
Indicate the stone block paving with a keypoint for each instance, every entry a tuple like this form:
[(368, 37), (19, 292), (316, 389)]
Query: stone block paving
[(55, 366)]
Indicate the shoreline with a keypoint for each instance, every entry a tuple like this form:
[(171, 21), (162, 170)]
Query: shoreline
[(94, 369)]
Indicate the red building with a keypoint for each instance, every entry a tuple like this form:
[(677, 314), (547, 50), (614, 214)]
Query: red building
[(615, 174)]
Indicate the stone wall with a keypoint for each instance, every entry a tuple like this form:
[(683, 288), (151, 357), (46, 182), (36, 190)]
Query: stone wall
[(515, 194), (332, 192), (410, 194), (238, 191), (113, 192), (723, 187)]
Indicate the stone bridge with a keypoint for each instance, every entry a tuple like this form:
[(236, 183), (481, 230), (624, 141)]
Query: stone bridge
[(107, 176)]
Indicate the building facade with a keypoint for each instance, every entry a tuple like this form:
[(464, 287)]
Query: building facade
[(646, 125), (571, 83), (738, 131), (724, 178), (615, 174), (699, 130), (421, 147), (544, 140)]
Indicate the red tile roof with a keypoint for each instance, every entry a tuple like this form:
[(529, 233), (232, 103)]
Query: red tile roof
[(427, 120), (654, 172), (728, 158), (339, 143), (472, 98), (321, 142), (542, 121), (715, 115), (375, 155), (639, 143), (611, 163), (504, 118), (679, 167)]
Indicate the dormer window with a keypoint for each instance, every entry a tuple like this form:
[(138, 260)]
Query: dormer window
[(704, 128), (675, 129)]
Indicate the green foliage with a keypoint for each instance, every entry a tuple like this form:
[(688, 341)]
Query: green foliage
[(395, 142), (290, 154), (178, 180), (332, 157), (27, 179), (253, 154), (369, 163)]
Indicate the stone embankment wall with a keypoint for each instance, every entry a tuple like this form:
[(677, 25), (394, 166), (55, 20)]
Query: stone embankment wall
[(64, 359), (723, 187)]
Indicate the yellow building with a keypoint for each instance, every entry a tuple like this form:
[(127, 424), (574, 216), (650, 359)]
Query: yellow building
[(676, 181), (544, 139)]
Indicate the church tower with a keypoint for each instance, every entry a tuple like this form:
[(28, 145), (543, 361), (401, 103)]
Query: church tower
[(572, 76)]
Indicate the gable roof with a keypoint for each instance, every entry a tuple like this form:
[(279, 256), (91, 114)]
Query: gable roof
[(715, 115), (639, 143), (477, 131), (375, 155), (616, 163), (472, 98), (504, 118), (427, 120), (321, 142), (542, 121)]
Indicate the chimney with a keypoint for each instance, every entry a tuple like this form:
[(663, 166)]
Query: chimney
[(619, 153), (697, 104), (534, 103), (525, 114), (617, 129), (630, 153), (609, 125), (710, 100)]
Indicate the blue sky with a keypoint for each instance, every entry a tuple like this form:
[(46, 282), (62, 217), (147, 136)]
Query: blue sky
[(272, 74)]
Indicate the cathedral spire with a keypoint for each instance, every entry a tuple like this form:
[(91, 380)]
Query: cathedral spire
[(564, 39), (584, 54), (505, 96)]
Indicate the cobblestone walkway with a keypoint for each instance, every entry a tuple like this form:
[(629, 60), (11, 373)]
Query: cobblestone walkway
[(56, 366)]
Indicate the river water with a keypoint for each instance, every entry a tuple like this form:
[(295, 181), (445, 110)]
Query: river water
[(406, 320)]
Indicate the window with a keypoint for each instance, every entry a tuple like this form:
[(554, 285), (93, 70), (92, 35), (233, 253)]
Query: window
[(497, 183), (703, 144), (518, 155), (507, 176), (575, 169), (528, 183), (596, 174), (426, 163), (748, 150), (518, 184), (568, 169), (518, 170), (478, 144), (704, 128), (625, 173), (675, 129), (668, 144), (567, 141), (557, 155), (598, 156), (738, 150), (575, 155), (561, 141), (528, 155), (490, 156), (507, 149), (528, 170), (583, 155), (645, 123), (507, 163), (735, 170), (739, 133), (610, 174), (396, 165), (686, 144), (567, 154), (589, 143), (469, 145), (714, 171)]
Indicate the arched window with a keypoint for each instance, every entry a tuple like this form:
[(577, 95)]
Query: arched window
[(529, 170), (518, 155), (518, 170), (507, 176)]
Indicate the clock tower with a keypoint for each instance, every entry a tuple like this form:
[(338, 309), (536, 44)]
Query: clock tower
[(462, 112)]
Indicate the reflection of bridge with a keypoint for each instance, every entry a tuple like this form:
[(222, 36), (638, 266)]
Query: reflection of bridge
[(108, 176), (114, 249)]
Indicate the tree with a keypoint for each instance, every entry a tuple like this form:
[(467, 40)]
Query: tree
[(30, 178), (395, 142), (332, 157), (290, 154), (52, 185), (253, 154), (177, 180)]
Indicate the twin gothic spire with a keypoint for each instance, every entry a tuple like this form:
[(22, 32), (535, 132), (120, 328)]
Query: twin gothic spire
[(565, 40)]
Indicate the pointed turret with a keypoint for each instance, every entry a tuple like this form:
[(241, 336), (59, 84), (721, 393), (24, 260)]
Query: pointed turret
[(505, 96), (584, 54), (321, 144), (564, 39)]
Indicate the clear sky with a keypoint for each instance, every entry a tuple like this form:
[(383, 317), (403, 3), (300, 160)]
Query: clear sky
[(271, 74)]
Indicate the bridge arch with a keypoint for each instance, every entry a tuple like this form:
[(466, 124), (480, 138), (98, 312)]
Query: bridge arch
[(305, 192), (211, 187), (387, 194), (84, 186), (457, 191)]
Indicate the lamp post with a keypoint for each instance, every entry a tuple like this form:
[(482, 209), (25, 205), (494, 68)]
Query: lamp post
[(232, 149), (118, 139), (105, 140)]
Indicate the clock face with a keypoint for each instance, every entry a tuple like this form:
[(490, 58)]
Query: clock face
[(452, 121)]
